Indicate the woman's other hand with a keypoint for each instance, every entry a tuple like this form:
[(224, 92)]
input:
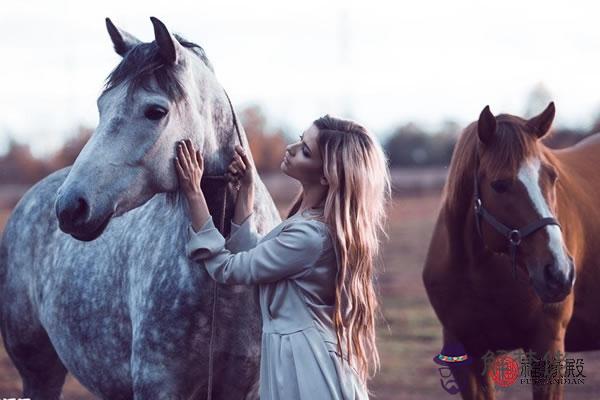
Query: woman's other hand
[(190, 167), (241, 169)]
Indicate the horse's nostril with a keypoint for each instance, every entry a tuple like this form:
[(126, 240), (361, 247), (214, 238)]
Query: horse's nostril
[(552, 275), (72, 212), (549, 275), (80, 212), (81, 208)]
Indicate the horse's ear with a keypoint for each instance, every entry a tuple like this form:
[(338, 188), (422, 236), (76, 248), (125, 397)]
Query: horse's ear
[(540, 125), (486, 127), (168, 47), (122, 41)]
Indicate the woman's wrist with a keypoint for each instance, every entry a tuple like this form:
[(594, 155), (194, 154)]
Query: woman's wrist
[(193, 196), (198, 209), (246, 189), (244, 204)]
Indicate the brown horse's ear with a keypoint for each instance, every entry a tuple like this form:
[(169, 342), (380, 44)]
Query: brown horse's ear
[(541, 124), (486, 127)]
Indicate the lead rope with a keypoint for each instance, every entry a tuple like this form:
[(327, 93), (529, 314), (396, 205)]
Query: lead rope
[(215, 285)]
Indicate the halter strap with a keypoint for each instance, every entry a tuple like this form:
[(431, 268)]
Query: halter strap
[(513, 235)]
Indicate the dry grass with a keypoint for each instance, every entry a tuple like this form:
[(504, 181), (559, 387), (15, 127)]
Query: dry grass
[(409, 333)]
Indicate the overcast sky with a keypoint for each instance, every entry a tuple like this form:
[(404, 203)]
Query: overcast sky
[(382, 63)]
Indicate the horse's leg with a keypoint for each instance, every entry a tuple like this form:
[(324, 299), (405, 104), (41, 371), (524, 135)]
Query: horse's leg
[(154, 379), (30, 349), (236, 377), (473, 384), (547, 341)]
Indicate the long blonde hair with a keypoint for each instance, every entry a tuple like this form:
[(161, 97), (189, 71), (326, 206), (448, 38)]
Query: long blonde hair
[(357, 171)]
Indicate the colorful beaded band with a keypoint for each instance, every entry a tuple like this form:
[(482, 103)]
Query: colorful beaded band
[(452, 359)]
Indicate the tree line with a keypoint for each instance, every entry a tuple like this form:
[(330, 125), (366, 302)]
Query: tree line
[(406, 146)]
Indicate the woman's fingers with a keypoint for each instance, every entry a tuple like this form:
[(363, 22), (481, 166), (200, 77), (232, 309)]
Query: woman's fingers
[(240, 162), (237, 158), (231, 177), (181, 153), (189, 152), (237, 166), (243, 155), (179, 168), (199, 159), (240, 165)]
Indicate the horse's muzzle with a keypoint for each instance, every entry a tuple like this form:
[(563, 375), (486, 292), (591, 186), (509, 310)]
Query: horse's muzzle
[(74, 217), (557, 282)]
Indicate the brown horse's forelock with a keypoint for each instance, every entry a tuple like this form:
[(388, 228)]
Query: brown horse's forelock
[(511, 145), (144, 61)]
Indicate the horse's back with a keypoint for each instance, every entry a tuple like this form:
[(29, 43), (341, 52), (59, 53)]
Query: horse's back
[(587, 149), (579, 169)]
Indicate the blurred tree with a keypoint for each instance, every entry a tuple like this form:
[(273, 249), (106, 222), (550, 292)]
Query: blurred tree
[(409, 145), (444, 141), (267, 144), (68, 153), (19, 166)]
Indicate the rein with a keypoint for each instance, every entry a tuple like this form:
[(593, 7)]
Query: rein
[(513, 235), (221, 226)]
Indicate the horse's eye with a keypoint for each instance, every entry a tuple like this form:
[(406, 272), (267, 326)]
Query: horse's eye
[(155, 113), (553, 175), (501, 185)]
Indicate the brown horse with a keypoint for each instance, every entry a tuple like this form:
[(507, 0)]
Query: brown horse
[(511, 202)]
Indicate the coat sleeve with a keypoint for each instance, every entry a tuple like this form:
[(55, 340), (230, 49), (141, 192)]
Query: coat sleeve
[(293, 251), (244, 236)]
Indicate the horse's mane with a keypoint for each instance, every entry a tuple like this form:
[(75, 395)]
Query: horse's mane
[(144, 61), (512, 144)]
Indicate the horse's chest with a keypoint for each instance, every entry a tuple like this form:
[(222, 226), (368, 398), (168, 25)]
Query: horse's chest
[(492, 317)]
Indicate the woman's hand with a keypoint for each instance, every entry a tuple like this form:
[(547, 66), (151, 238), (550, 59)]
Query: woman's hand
[(190, 167), (241, 169)]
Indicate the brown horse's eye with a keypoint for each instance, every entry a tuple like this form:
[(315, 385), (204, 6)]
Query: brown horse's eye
[(501, 185), (552, 175)]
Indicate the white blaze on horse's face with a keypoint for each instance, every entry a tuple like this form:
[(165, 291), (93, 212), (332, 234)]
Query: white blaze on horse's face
[(529, 175)]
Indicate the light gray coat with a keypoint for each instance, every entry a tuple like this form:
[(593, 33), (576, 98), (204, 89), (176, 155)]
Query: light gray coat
[(294, 269)]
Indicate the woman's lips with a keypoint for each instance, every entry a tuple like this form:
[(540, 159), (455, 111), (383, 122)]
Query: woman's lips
[(286, 159)]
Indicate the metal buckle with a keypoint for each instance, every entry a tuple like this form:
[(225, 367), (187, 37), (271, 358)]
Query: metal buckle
[(514, 237), (478, 205)]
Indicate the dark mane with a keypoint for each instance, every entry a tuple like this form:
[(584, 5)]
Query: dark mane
[(512, 144), (144, 61)]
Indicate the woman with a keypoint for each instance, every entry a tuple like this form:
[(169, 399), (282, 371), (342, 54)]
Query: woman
[(315, 270)]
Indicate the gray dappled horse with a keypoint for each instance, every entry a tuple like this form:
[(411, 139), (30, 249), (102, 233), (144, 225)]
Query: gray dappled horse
[(115, 301)]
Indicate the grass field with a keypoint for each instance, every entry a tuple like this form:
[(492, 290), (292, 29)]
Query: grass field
[(409, 334)]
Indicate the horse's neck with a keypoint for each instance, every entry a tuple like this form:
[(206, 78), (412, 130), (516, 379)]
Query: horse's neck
[(165, 208), (213, 107), (465, 244), (577, 191)]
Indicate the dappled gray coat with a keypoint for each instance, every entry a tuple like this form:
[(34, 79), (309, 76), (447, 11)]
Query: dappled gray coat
[(294, 269)]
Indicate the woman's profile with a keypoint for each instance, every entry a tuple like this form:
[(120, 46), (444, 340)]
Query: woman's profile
[(315, 270)]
